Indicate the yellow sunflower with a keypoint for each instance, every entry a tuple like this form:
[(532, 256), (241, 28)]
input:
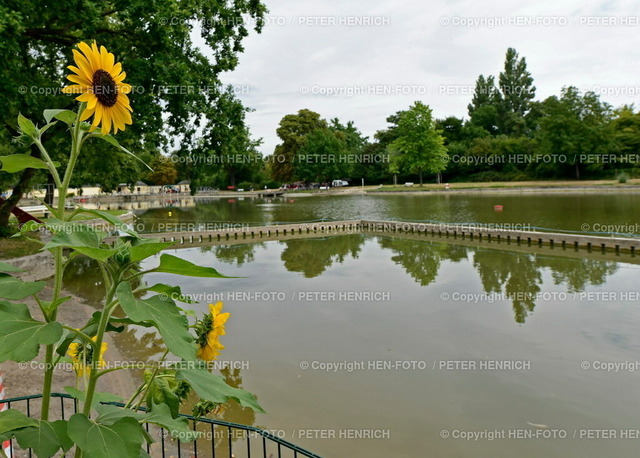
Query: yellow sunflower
[(83, 357), (208, 331), (99, 81)]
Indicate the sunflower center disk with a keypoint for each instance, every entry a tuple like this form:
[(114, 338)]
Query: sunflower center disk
[(104, 88)]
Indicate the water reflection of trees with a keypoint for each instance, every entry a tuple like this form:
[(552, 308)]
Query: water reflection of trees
[(312, 257), (421, 260), (234, 254), (517, 276)]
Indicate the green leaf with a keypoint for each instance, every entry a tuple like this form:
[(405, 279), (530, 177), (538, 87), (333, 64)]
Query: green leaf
[(17, 162), (166, 316), (143, 248), (47, 126), (4, 267), (46, 438), (66, 116), (27, 127), (174, 292), (15, 289), (83, 239), (177, 427), (161, 416), (111, 219), (161, 392), (21, 335), (111, 140), (174, 265), (12, 420), (213, 388), (123, 439)]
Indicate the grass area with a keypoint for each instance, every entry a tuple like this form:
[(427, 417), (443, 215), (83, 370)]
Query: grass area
[(506, 184), (14, 248)]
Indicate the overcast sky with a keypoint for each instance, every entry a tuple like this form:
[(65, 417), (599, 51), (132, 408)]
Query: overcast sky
[(324, 56)]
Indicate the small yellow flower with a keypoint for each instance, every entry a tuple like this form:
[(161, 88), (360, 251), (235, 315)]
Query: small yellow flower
[(99, 81), (208, 330), (83, 357)]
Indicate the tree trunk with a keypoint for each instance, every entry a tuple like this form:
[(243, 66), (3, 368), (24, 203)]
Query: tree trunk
[(578, 170), (5, 208), (420, 178)]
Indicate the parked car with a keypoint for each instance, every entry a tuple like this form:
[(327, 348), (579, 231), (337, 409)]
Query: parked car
[(338, 183)]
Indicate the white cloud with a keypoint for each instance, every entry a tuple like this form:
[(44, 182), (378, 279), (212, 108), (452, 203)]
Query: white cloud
[(300, 49)]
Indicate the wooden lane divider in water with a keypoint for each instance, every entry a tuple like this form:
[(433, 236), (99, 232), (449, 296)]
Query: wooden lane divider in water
[(484, 232), (451, 232)]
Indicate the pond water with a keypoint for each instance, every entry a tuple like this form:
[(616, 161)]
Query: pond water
[(574, 211), (421, 348)]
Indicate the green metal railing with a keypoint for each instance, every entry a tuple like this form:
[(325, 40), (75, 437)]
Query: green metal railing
[(218, 439)]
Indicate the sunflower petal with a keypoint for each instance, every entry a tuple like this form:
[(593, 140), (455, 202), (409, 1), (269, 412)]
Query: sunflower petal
[(79, 79), (86, 97), (107, 59), (83, 62), (86, 114), (90, 56), (106, 121)]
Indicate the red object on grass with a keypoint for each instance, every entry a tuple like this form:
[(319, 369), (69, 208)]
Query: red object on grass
[(22, 215)]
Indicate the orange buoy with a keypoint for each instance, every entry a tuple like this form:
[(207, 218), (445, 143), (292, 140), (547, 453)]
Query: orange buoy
[(497, 208)]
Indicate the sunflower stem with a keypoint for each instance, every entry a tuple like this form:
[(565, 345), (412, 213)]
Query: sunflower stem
[(155, 374), (58, 255)]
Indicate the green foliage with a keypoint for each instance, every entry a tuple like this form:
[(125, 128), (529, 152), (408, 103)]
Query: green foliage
[(419, 146), (164, 171), (293, 130), (163, 313), (18, 162), (21, 335), (45, 439), (97, 440), (213, 388), (178, 266)]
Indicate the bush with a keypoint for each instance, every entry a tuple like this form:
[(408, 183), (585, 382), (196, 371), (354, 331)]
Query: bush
[(622, 177), (246, 185)]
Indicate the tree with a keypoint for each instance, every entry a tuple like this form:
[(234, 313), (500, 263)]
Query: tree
[(517, 91), (176, 85), (164, 171), (293, 130), (225, 154), (626, 131), (573, 128), (321, 157), (419, 147)]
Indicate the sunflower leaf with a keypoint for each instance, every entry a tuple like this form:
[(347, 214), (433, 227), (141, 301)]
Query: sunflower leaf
[(111, 140), (15, 289), (213, 388), (124, 438), (66, 116), (173, 265), (45, 439), (165, 315), (47, 126), (143, 248), (21, 335), (27, 127), (11, 420), (17, 162), (4, 267)]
